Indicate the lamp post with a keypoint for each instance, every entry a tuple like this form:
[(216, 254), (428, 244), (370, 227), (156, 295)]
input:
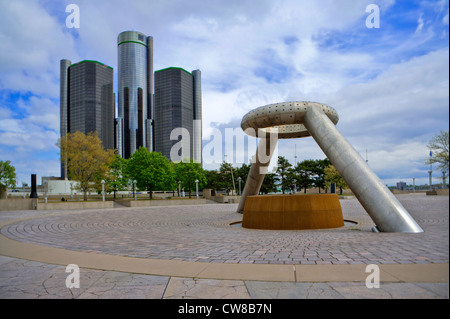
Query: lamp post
[(179, 188), (134, 189), (196, 187), (103, 190), (430, 172), (239, 180), (71, 190), (231, 171)]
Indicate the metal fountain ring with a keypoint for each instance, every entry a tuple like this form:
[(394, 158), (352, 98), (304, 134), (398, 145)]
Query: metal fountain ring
[(284, 118)]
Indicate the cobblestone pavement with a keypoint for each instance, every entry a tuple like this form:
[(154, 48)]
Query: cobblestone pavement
[(204, 234)]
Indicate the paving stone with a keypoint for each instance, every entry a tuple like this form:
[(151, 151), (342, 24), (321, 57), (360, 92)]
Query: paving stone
[(189, 288), (291, 290), (162, 233), (389, 291), (118, 285)]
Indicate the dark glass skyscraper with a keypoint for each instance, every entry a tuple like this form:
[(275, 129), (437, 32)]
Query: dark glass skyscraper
[(135, 64), (178, 113), (87, 101)]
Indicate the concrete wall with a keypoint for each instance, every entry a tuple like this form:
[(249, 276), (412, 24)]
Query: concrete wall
[(225, 199), (158, 202), (33, 204), (438, 192), (75, 205), (17, 204)]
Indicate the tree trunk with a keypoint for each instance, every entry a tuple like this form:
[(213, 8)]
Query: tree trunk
[(3, 192)]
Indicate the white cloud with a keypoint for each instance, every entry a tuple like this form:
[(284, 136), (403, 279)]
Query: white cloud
[(417, 88), (420, 24), (31, 44), (10, 125), (250, 55)]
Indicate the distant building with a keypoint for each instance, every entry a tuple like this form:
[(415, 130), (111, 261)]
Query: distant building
[(401, 186), (87, 101), (178, 105), (135, 97)]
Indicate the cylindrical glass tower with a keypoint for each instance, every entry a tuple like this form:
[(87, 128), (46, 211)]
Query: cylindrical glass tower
[(133, 86)]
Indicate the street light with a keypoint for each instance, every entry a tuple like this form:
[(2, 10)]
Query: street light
[(103, 190), (134, 189), (239, 180), (430, 172), (196, 187), (179, 188), (231, 170)]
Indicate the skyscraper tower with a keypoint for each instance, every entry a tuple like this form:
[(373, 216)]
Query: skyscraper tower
[(63, 103), (135, 76), (87, 101), (197, 129), (178, 107)]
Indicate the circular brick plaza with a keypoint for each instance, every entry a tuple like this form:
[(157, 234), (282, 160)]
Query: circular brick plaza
[(205, 233)]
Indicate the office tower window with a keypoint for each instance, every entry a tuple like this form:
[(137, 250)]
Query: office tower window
[(177, 105), (126, 124), (87, 101), (135, 64)]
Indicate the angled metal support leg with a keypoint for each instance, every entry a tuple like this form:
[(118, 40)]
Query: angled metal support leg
[(258, 169), (383, 207)]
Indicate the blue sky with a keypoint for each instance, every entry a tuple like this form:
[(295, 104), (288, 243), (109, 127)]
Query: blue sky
[(389, 85)]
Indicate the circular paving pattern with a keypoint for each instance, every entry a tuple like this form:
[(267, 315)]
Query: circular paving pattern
[(203, 233)]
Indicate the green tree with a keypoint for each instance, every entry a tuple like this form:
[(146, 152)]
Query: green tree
[(284, 173), (212, 179), (333, 176), (227, 179), (439, 146), (151, 170), (269, 184), (242, 173), (319, 173), (115, 177), (172, 183), (187, 172), (304, 174), (86, 158), (7, 177)]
